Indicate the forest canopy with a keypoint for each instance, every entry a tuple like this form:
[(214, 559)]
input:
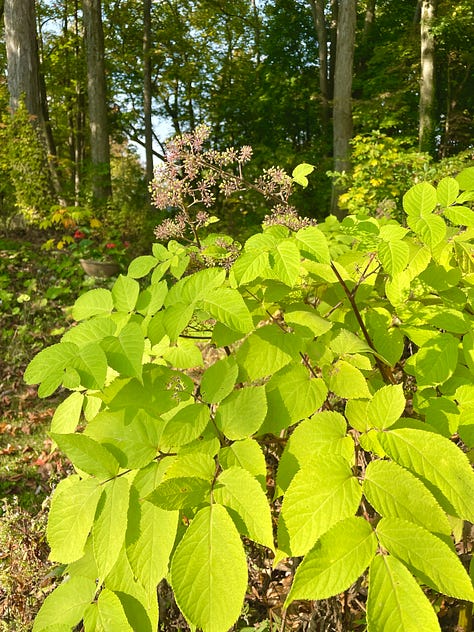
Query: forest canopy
[(379, 84)]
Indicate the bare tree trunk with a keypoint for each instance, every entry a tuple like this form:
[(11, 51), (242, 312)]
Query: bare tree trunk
[(96, 88), (342, 109), (427, 123), (147, 90), (317, 9)]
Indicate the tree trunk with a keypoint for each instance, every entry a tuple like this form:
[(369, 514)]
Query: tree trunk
[(22, 56), (427, 123), (96, 88), (342, 109), (24, 78), (317, 9), (147, 90)]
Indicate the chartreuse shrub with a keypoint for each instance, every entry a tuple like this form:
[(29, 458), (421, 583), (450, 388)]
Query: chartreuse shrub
[(349, 346)]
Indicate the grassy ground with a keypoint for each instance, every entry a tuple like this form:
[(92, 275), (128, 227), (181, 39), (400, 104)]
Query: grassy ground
[(36, 288)]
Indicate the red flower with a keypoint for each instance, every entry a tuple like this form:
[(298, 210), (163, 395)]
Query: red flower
[(126, 244), (79, 234), (110, 245)]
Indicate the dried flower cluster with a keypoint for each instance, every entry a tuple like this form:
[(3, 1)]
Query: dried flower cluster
[(191, 176)]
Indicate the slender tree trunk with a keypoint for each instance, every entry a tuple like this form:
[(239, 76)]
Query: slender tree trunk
[(333, 29), (22, 56), (96, 89), (342, 109), (24, 77), (317, 10), (427, 123), (147, 90), (369, 21)]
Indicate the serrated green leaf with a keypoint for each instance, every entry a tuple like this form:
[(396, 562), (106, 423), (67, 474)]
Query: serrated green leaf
[(229, 308), (324, 434), (338, 558), (395, 602), (437, 462), (248, 455), (251, 265), (110, 613), (175, 319), (72, 512), (91, 365), (242, 413), (132, 437), (110, 526), (151, 299), (460, 215), (348, 342), (393, 255), (70, 598), (241, 493), (125, 293), (465, 179), (141, 266), (313, 244), (306, 321), (67, 414), (125, 351), (286, 262), (430, 228), (88, 331), (184, 354), (93, 303), (397, 289), (436, 360), (420, 199), (218, 380), (347, 381), (395, 492), (426, 556), (208, 560), (180, 493), (152, 542), (86, 454), (185, 425), (386, 406), (292, 395), (48, 367), (267, 350), (320, 494), (300, 172), (447, 191)]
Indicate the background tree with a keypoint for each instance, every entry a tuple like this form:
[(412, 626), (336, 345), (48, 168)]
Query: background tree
[(427, 124), (342, 109), (97, 99)]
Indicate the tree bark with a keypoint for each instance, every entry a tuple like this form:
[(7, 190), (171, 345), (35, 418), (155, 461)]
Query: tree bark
[(24, 78), (317, 10), (342, 108), (147, 90), (22, 56), (97, 95), (427, 123)]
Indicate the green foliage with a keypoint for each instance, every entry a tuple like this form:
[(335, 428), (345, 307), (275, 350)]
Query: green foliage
[(344, 351), (24, 171)]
